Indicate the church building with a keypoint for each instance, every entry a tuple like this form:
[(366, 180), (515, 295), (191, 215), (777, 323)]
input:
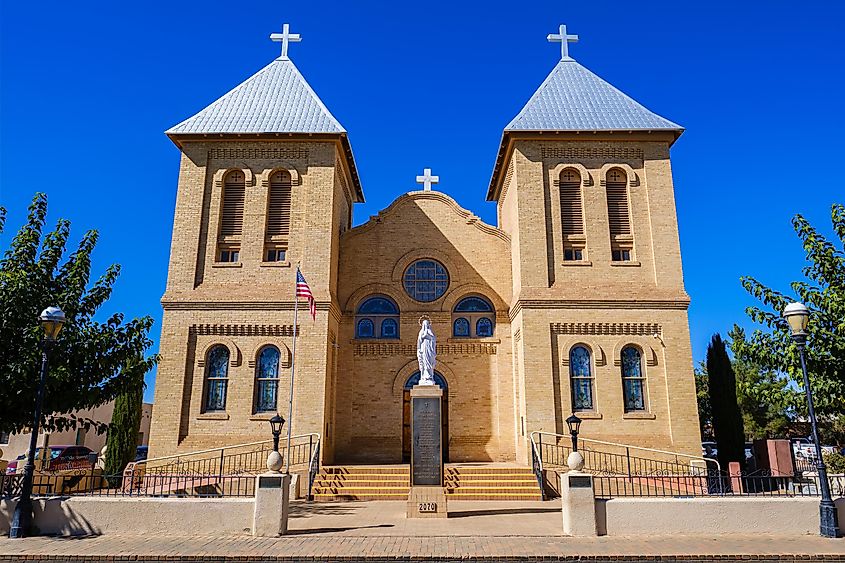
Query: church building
[(573, 302)]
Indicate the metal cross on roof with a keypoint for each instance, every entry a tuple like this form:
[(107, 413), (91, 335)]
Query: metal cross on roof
[(427, 179), (285, 37), (564, 41)]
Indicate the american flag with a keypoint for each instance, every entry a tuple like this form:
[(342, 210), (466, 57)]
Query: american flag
[(302, 290)]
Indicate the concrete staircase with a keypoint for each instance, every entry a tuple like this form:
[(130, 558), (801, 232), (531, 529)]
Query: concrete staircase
[(392, 482)]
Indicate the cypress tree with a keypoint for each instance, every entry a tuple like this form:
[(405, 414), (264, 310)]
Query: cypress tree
[(727, 417), (123, 430)]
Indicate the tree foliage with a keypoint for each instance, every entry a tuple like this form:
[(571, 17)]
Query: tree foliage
[(123, 431), (727, 418), (92, 362), (705, 409), (823, 292)]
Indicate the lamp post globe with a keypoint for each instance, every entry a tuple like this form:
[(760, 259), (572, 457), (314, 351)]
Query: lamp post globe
[(52, 319), (276, 424), (574, 425), (798, 318)]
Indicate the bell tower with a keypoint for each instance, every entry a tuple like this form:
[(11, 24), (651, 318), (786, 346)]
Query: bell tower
[(267, 181), (583, 186)]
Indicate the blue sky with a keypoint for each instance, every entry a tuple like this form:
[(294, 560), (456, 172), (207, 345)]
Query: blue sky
[(86, 91)]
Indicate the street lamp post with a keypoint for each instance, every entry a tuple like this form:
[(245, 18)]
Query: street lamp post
[(798, 316), (276, 424), (52, 319), (574, 423)]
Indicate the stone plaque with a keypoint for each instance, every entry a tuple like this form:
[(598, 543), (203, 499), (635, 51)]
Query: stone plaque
[(269, 482), (426, 442), (580, 482)]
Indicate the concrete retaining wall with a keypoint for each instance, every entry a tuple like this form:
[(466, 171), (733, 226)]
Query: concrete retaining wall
[(659, 516), (158, 516)]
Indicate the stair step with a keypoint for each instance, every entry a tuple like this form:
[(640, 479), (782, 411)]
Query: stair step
[(370, 482)]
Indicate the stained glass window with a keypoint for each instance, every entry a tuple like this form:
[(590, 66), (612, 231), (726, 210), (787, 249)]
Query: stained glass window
[(484, 327), (473, 317), (377, 317), (426, 280), (581, 375), (217, 375), (389, 328), (267, 379), (633, 381), (461, 327), (365, 329)]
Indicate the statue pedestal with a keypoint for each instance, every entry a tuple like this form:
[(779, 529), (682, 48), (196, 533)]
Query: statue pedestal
[(427, 498)]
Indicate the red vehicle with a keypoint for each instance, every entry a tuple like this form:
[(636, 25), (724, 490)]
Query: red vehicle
[(61, 457)]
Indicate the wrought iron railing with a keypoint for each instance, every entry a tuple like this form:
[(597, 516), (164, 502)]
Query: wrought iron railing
[(714, 485), (313, 470), (250, 458)]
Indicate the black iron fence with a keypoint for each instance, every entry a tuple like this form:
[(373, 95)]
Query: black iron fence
[(91, 483), (714, 484)]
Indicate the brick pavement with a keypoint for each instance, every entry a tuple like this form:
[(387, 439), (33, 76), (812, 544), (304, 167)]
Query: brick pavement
[(331, 548), (378, 532)]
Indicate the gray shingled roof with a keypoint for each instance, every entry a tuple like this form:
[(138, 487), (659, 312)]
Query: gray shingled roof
[(276, 99), (574, 99)]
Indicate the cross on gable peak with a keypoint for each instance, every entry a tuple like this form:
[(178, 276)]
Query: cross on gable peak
[(427, 179), (285, 37), (564, 40)]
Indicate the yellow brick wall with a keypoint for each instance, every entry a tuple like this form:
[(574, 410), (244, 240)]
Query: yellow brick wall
[(500, 388)]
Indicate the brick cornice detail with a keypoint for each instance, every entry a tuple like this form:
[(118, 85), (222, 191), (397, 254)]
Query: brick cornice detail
[(607, 329), (398, 349), (679, 304), (241, 330), (592, 153), (267, 153)]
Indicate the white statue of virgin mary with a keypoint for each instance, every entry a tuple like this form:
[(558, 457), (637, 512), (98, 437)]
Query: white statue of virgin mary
[(426, 351)]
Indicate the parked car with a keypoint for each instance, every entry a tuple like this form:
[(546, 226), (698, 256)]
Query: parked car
[(141, 453), (61, 457)]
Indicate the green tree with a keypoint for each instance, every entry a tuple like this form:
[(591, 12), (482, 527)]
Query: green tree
[(823, 292), (123, 430), (766, 401), (702, 395), (727, 418), (91, 362)]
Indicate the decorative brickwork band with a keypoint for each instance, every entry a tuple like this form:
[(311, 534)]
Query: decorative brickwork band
[(241, 330), (607, 329), (592, 153), (395, 349), (269, 153)]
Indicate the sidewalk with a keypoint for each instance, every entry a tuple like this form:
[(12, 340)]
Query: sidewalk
[(378, 531)]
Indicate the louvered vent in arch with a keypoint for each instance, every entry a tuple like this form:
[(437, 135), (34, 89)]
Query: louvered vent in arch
[(617, 203), (232, 215), (571, 209), (278, 205)]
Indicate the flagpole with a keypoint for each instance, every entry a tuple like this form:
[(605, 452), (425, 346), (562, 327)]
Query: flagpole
[(292, 364)]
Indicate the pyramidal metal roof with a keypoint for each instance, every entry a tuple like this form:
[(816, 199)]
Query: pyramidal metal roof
[(574, 99), (276, 99)]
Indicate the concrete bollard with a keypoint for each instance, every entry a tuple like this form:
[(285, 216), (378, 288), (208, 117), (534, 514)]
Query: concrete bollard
[(272, 498), (578, 503)]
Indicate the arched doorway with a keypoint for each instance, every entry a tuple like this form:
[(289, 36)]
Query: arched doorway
[(406, 415)]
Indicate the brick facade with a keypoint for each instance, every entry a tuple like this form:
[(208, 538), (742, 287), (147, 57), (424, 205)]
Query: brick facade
[(500, 388)]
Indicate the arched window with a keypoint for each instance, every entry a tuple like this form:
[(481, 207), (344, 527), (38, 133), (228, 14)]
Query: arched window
[(277, 231), (572, 215), (618, 216), (461, 327), (267, 379), (389, 328), (483, 327), (364, 329), (581, 378), (426, 280), (217, 378), (380, 313), (633, 380), (473, 317), (231, 217)]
